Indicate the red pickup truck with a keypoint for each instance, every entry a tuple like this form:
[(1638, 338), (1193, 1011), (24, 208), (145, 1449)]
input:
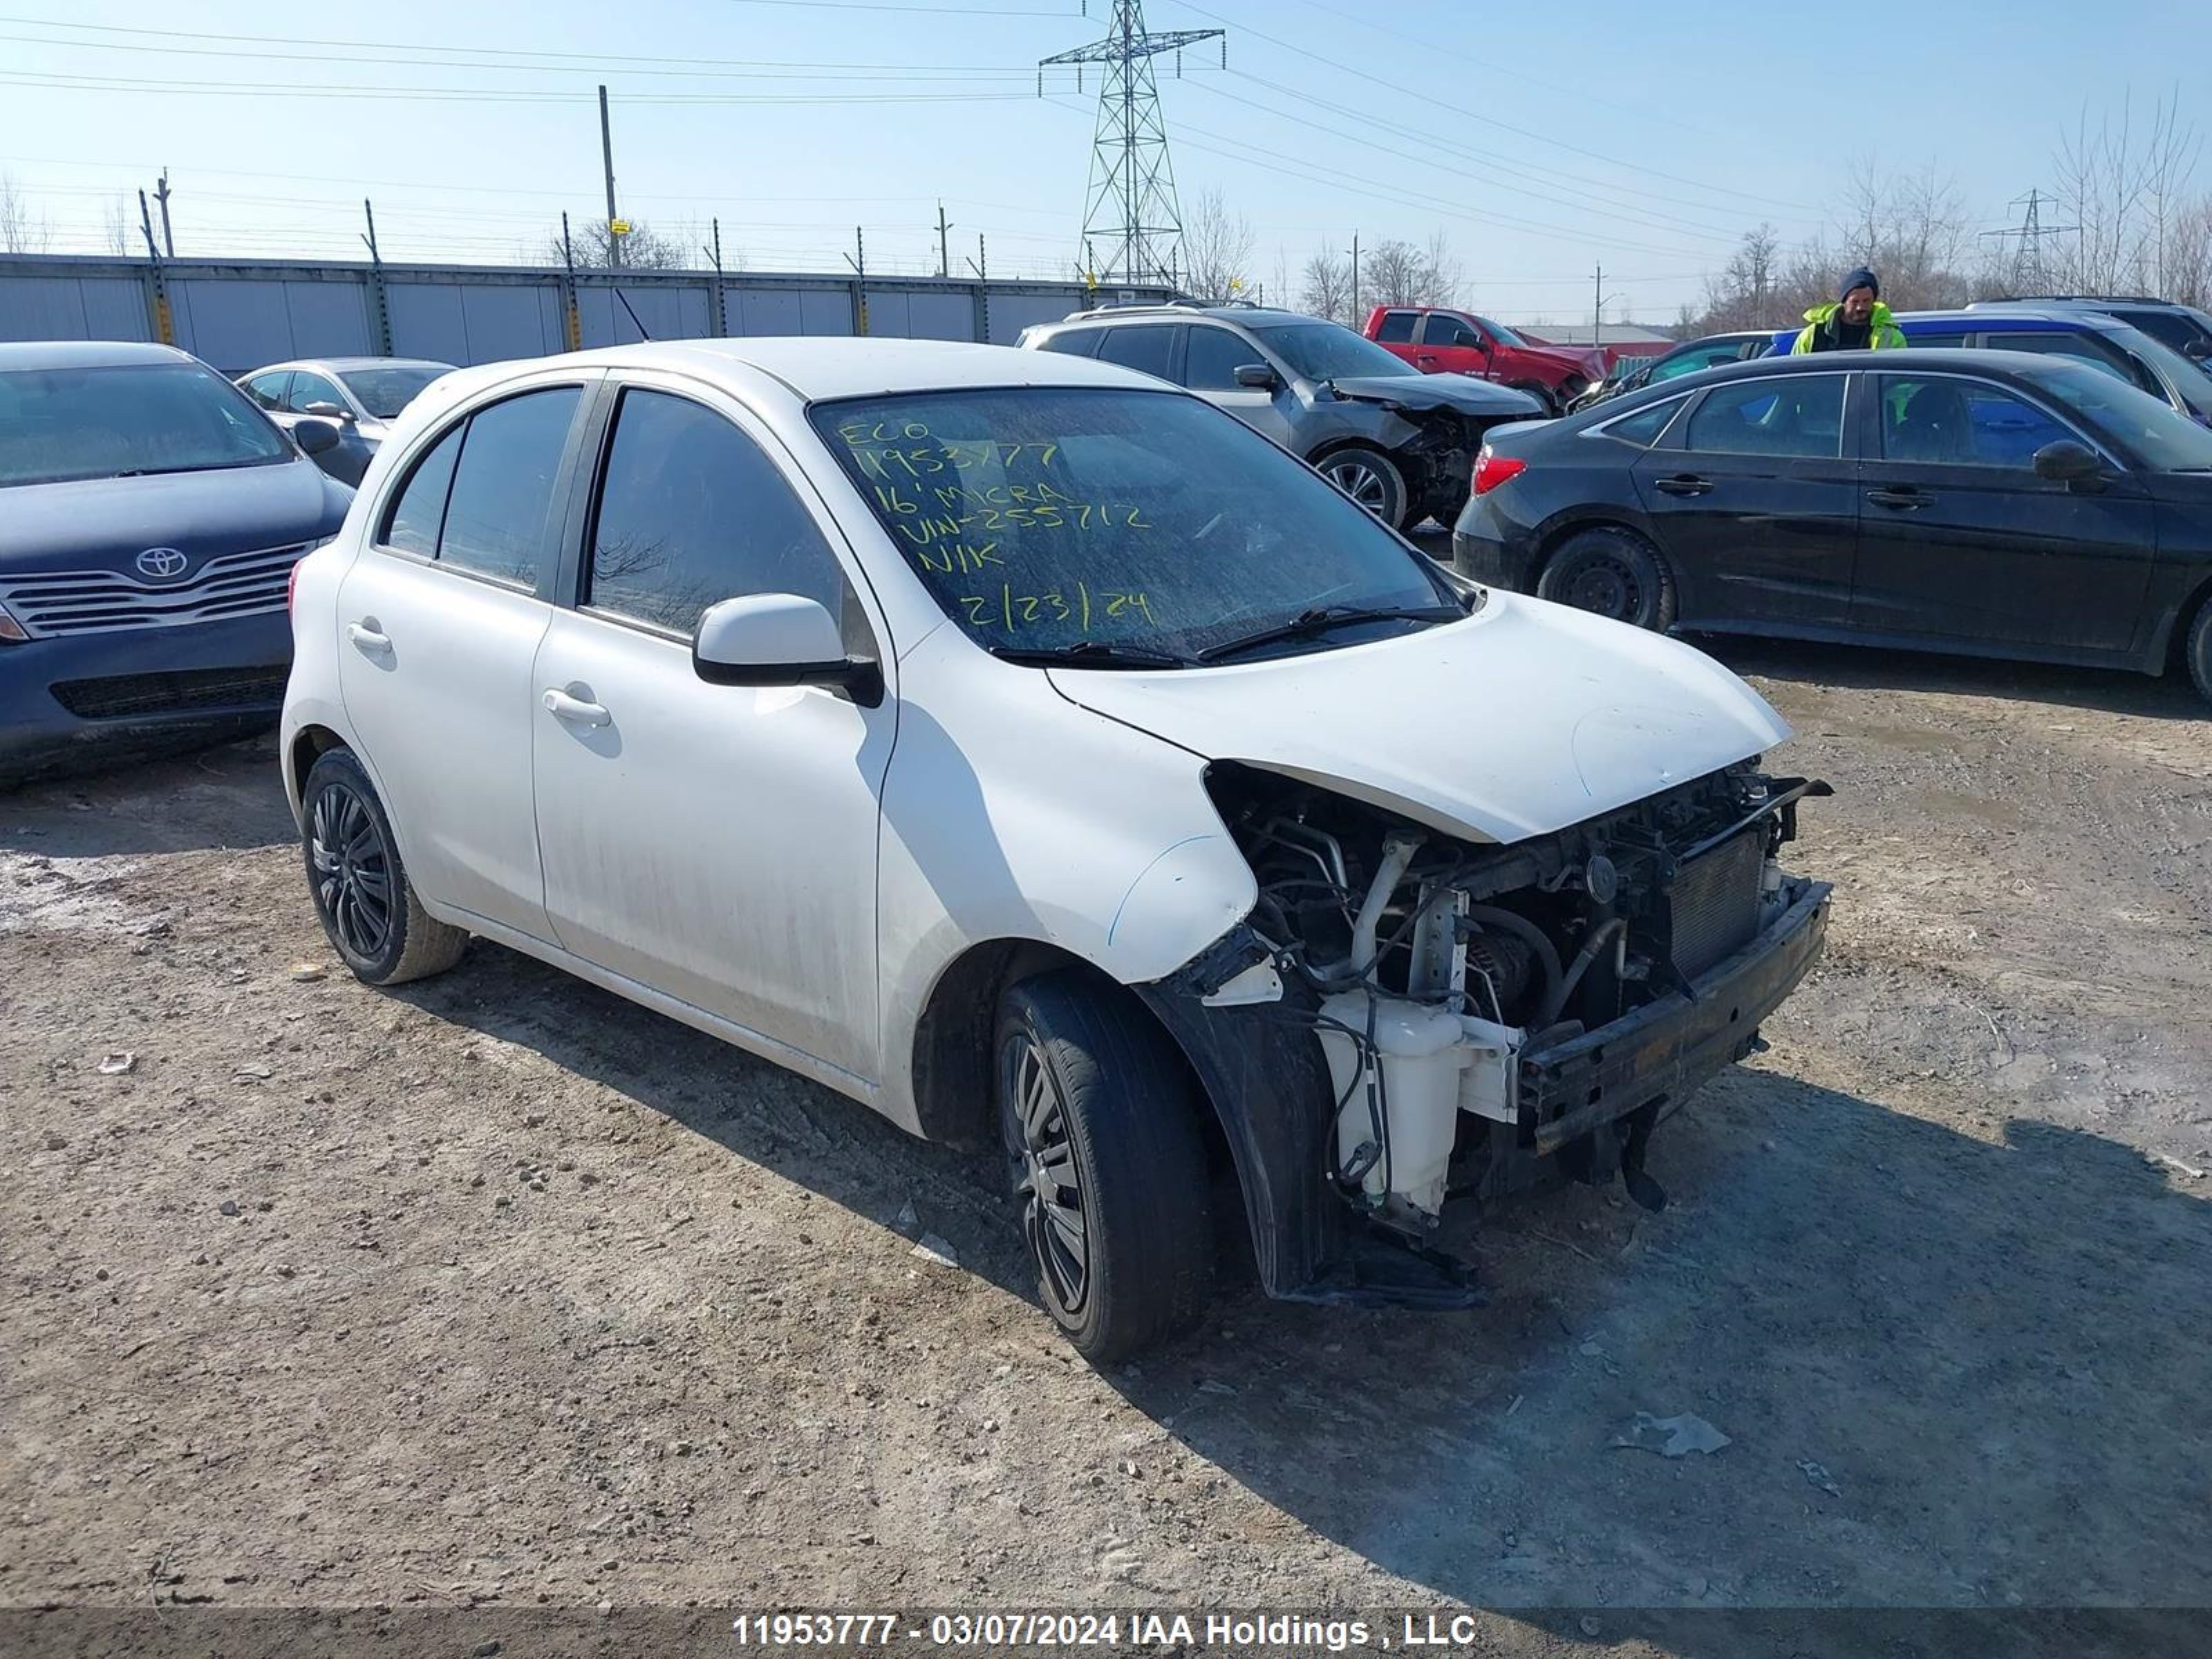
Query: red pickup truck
[(1440, 342)]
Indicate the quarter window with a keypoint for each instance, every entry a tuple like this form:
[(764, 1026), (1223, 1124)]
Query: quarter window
[(505, 486), (1962, 423), (1146, 348), (1797, 417), (692, 512), (419, 512), (1213, 356), (1644, 426)]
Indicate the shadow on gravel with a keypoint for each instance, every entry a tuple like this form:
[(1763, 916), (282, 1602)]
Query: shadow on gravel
[(1953, 1373), (2116, 691), (228, 796)]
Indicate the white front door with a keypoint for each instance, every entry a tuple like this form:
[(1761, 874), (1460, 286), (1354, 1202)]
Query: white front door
[(716, 843), (439, 624)]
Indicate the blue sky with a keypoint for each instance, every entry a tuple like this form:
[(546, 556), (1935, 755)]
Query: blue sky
[(1541, 140)]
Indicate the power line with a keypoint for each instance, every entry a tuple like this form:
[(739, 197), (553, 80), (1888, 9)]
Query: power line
[(468, 94), (1472, 115)]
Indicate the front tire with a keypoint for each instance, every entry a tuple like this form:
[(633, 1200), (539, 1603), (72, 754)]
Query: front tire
[(2198, 651), (367, 906), (1611, 573), (1370, 478), (1099, 1118)]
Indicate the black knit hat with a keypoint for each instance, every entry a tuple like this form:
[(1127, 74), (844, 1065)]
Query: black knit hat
[(1861, 277)]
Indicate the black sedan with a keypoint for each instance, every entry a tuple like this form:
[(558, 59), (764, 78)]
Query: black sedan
[(1997, 503), (150, 519)]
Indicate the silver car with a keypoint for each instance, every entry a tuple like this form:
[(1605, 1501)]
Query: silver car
[(361, 395), (1400, 443)]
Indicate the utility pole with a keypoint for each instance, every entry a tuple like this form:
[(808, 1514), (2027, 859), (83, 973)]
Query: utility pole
[(715, 254), (981, 265), (1132, 197), (568, 259), (1597, 310), (377, 293), (162, 195), (859, 260), (607, 159), (944, 248), (1355, 279), (165, 328)]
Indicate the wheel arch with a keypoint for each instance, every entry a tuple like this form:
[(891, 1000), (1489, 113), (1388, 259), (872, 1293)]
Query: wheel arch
[(2169, 643), (308, 744)]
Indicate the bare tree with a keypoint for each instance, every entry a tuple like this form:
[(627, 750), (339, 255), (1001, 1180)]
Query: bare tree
[(19, 231), (1327, 288), (1216, 250), (1743, 293), (643, 249), (1445, 276), (117, 227), (1397, 273)]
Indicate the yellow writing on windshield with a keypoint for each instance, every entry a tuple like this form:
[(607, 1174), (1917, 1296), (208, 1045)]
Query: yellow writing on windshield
[(1013, 610)]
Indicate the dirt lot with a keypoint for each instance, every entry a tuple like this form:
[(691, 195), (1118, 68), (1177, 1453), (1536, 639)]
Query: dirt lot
[(499, 1291)]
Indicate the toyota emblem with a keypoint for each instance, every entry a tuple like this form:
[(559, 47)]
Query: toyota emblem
[(162, 563)]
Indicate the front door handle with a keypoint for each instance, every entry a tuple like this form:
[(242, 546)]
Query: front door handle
[(574, 710), (1685, 484), (1904, 499), (366, 637), (1425, 357)]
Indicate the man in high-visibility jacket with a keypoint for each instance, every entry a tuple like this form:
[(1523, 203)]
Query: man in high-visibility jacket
[(1856, 322)]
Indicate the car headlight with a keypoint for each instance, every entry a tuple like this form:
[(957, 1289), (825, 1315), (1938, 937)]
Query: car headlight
[(11, 631)]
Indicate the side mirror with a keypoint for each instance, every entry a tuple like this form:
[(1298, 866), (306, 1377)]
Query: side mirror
[(2067, 462), (779, 639), (315, 436), (1258, 376), (328, 411), (2200, 349)]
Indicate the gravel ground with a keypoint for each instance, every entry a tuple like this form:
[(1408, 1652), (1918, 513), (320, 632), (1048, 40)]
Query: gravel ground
[(499, 1293)]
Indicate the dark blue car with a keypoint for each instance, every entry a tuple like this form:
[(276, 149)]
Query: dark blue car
[(150, 519)]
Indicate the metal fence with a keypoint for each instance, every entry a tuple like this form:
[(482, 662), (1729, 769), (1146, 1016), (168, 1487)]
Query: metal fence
[(240, 314)]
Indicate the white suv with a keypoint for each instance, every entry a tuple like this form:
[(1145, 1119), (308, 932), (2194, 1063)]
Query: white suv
[(1034, 753)]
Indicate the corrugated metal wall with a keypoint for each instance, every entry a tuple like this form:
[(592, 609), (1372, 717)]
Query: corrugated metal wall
[(239, 314)]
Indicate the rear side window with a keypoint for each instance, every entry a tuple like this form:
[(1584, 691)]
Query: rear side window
[(420, 512), (692, 512), (1798, 416), (1397, 327), (1075, 342), (1146, 348), (1938, 341), (1645, 426), (504, 486)]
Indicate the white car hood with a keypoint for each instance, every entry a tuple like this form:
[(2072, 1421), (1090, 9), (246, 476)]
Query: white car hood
[(1524, 719)]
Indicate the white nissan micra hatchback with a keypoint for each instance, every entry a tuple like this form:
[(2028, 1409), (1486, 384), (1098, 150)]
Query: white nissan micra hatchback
[(1032, 751)]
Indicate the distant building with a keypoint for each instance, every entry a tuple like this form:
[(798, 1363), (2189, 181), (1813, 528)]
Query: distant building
[(1632, 338)]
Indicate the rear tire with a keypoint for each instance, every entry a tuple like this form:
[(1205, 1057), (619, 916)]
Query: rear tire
[(1099, 1119), (367, 906), (1612, 572), (2198, 651), (1370, 478)]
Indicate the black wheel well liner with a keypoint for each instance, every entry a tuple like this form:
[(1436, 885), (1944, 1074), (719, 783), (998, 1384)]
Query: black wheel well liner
[(2167, 653), (311, 743), (1548, 544), (1291, 1219)]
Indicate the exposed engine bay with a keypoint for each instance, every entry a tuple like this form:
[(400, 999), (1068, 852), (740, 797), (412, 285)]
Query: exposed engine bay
[(1481, 1007)]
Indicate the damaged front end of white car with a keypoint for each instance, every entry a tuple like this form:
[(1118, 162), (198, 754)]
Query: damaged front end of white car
[(1411, 1024)]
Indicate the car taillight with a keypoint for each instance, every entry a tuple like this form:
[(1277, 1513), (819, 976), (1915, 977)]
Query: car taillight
[(1492, 470)]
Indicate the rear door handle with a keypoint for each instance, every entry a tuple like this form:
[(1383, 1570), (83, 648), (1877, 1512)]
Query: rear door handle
[(1904, 499), (366, 638), (1686, 484), (575, 710)]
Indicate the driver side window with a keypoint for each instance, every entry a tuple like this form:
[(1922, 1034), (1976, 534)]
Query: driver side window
[(691, 512)]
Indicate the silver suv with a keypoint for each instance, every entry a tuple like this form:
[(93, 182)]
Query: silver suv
[(1400, 443)]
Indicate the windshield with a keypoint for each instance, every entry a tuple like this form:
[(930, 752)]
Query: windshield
[(2185, 376), (1053, 518), (385, 391), (2164, 441), (58, 425), (1504, 335), (1330, 351)]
